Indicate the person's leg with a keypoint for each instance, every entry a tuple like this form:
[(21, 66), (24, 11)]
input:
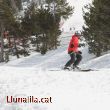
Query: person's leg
[(78, 59), (71, 61)]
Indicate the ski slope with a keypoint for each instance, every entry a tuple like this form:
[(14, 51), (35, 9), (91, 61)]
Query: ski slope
[(57, 58), (30, 76), (76, 21)]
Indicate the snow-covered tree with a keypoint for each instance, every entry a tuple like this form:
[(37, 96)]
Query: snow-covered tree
[(97, 29)]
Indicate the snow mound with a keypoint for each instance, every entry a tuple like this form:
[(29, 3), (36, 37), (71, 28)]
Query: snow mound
[(102, 62)]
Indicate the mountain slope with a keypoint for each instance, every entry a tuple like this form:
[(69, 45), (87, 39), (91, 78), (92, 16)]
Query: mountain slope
[(69, 90), (58, 58)]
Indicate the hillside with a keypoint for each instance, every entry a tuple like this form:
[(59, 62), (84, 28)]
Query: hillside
[(57, 58), (69, 90), (30, 76)]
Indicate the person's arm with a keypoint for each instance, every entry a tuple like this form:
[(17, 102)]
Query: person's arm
[(75, 42), (71, 44)]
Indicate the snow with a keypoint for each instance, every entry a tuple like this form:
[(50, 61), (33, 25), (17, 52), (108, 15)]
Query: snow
[(76, 20), (30, 76), (70, 90)]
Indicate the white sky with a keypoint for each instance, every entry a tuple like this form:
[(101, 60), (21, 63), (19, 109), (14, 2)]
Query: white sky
[(76, 20)]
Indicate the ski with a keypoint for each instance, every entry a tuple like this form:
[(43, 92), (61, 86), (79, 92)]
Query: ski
[(74, 70), (85, 70)]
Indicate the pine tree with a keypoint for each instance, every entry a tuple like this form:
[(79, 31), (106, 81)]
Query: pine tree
[(6, 18), (97, 29), (42, 20), (8, 9)]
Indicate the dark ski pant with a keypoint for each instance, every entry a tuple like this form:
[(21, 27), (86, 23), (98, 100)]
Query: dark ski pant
[(75, 59)]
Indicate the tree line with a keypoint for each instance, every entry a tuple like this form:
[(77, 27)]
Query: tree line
[(41, 20), (97, 26)]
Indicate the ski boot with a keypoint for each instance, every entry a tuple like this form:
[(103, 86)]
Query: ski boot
[(66, 68), (74, 67)]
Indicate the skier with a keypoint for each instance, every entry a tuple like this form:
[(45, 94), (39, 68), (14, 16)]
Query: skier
[(73, 51)]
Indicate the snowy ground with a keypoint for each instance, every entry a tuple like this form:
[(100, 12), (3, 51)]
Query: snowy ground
[(30, 76)]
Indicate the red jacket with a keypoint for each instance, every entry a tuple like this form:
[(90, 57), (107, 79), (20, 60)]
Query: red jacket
[(74, 43)]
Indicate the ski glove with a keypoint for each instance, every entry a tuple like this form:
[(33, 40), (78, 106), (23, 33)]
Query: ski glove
[(79, 52)]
